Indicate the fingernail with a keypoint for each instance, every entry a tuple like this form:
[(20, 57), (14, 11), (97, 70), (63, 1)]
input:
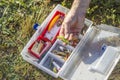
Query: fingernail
[(61, 34), (66, 36)]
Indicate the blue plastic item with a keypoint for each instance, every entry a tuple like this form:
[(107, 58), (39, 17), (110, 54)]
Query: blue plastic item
[(104, 46), (35, 26)]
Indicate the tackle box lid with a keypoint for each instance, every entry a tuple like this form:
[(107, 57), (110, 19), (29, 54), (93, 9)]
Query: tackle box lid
[(90, 61)]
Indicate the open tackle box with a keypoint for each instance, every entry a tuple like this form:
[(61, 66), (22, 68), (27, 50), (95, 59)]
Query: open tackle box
[(93, 57)]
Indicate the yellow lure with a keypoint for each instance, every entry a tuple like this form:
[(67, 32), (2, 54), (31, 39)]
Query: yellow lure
[(53, 22)]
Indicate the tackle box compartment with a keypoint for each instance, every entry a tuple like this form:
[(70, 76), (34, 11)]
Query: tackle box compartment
[(86, 59)]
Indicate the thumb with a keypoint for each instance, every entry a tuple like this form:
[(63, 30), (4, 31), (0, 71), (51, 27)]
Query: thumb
[(67, 30)]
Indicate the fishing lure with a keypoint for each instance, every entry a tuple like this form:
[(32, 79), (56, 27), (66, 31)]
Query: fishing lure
[(63, 39), (53, 22)]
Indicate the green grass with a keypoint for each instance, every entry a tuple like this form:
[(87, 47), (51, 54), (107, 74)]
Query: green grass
[(16, 20)]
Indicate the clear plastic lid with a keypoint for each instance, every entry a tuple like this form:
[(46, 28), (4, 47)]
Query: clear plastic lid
[(89, 53)]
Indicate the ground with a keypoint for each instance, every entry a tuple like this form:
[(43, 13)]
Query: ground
[(16, 20)]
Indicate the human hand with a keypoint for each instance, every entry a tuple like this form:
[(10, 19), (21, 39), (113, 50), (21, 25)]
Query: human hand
[(72, 25)]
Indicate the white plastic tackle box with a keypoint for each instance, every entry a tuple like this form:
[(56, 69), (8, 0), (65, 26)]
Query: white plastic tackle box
[(94, 57)]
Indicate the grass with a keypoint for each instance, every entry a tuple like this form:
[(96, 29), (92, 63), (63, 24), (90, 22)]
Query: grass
[(16, 20)]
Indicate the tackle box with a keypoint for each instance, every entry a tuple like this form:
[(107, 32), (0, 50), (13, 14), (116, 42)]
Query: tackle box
[(93, 58)]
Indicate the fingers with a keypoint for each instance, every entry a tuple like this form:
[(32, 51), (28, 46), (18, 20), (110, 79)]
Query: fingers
[(67, 30), (73, 36), (62, 31), (70, 33), (70, 37)]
